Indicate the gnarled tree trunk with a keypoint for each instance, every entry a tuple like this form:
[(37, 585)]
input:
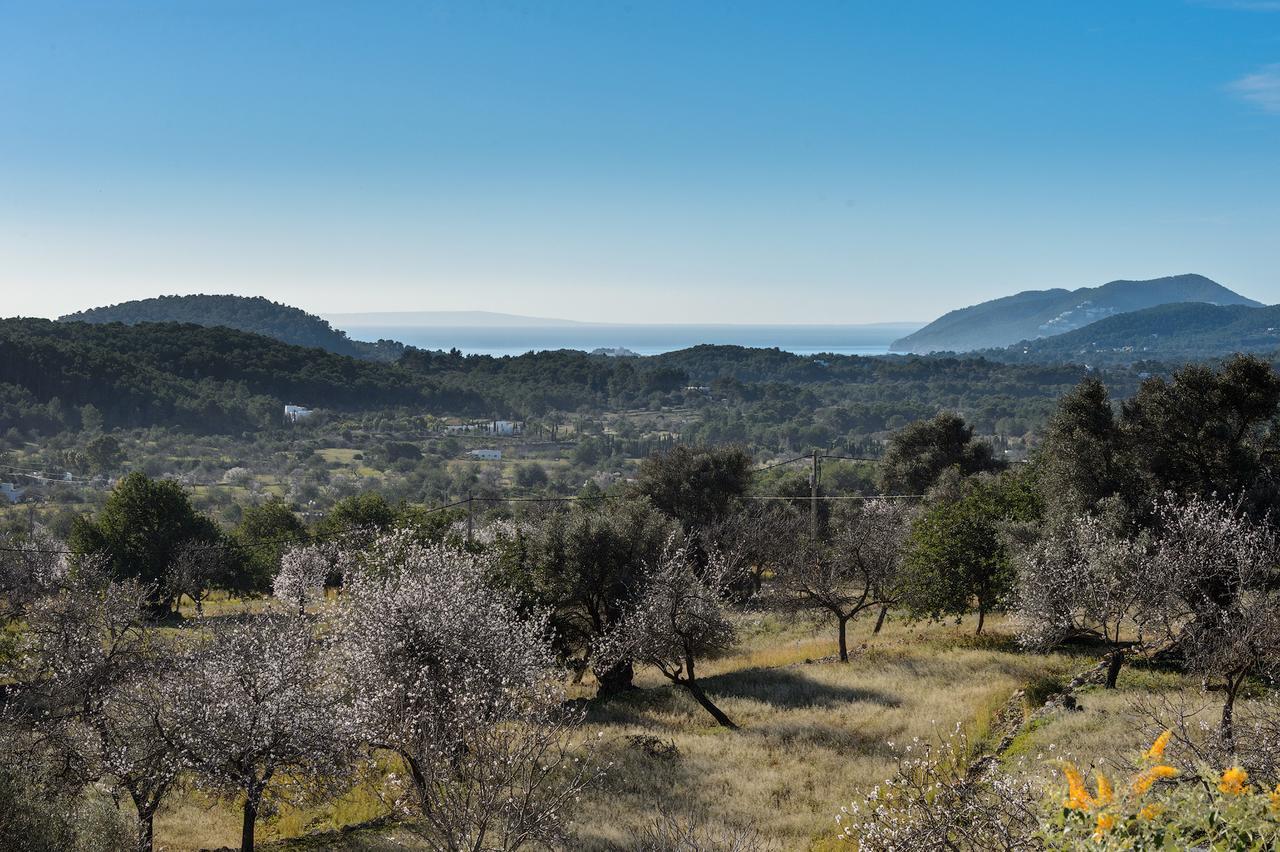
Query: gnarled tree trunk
[(690, 682)]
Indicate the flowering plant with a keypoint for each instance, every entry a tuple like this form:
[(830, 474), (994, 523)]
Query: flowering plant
[(1216, 810)]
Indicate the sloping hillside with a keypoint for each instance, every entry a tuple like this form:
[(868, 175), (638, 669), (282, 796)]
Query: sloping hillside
[(1042, 313), (243, 313), (1175, 332)]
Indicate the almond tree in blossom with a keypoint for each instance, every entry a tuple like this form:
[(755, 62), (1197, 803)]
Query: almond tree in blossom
[(1089, 579), (197, 568), (303, 571), (1216, 580), (680, 618), (29, 568), (447, 672), (101, 682), (258, 713)]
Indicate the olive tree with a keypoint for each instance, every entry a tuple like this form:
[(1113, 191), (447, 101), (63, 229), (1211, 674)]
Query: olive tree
[(584, 565), (448, 673), (918, 453), (141, 529), (680, 618), (958, 550)]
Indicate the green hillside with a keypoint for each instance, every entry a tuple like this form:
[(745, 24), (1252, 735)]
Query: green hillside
[(1175, 332), (193, 377)]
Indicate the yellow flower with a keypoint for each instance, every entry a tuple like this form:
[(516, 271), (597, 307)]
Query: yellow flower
[(1142, 783), (1274, 796), (1232, 782), (1105, 823), (1157, 748), (1105, 792), (1078, 798), (1150, 812)]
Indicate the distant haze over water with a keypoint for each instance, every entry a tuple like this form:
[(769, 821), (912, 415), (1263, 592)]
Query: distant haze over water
[(640, 339)]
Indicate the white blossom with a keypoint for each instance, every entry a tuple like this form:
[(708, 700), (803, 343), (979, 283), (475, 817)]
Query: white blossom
[(680, 618), (303, 571), (445, 671)]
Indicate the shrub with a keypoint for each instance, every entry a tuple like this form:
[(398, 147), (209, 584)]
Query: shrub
[(1041, 689)]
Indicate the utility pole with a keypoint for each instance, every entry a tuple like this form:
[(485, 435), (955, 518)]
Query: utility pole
[(813, 496), (470, 515)]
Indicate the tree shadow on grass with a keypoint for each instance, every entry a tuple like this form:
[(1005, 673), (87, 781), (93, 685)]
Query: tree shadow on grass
[(789, 688), (636, 706)]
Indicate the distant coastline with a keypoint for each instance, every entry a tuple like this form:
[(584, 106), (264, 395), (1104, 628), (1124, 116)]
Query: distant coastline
[(641, 339)]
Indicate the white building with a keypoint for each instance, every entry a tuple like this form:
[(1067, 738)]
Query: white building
[(294, 413), (503, 427), (11, 492), (485, 455)]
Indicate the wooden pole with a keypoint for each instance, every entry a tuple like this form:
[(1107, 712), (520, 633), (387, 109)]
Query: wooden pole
[(813, 496)]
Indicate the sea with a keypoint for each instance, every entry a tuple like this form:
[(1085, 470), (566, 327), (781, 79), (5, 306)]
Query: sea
[(641, 339)]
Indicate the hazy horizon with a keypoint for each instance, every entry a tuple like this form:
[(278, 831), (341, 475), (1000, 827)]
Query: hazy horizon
[(498, 319)]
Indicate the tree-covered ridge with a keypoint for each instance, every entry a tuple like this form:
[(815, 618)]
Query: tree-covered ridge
[(243, 313), (217, 380), (206, 379)]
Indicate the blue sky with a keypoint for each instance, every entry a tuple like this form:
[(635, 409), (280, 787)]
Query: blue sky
[(644, 161)]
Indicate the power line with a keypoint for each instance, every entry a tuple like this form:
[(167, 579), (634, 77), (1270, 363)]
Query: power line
[(207, 546), (778, 464), (840, 497), (809, 458)]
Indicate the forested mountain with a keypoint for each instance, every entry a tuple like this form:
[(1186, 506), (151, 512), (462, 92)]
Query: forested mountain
[(243, 313), (1042, 313), (218, 380), (1176, 332)]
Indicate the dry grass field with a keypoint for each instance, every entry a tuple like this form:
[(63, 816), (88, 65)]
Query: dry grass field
[(814, 733)]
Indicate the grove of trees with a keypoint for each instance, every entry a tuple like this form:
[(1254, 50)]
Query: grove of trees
[(433, 655)]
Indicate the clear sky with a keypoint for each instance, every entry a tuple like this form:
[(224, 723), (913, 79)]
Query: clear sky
[(693, 160)]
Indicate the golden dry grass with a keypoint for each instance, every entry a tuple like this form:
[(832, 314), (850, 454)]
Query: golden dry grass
[(813, 735)]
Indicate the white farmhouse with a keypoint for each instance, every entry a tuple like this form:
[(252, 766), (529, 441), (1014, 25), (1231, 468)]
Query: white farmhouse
[(11, 492), (485, 455), (294, 413)]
